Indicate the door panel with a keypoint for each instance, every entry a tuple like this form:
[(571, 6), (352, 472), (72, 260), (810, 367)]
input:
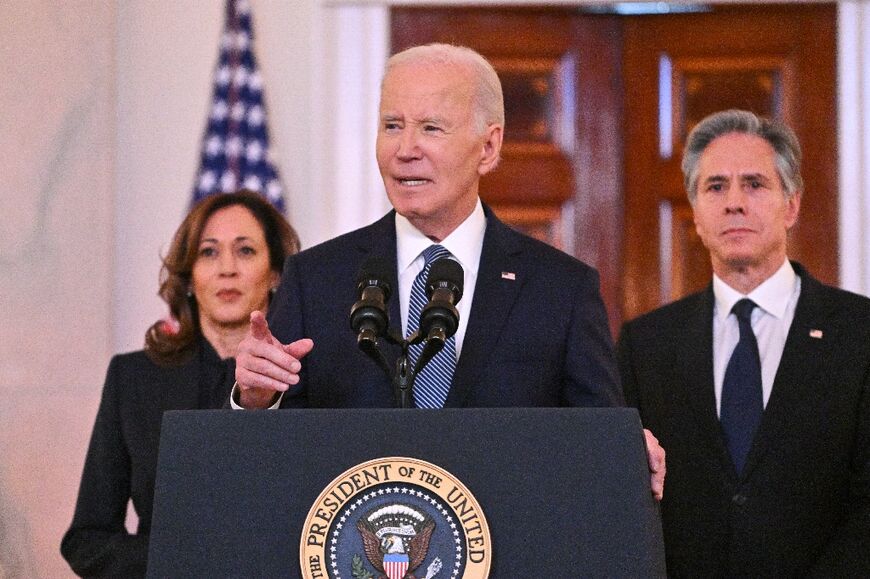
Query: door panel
[(560, 175)]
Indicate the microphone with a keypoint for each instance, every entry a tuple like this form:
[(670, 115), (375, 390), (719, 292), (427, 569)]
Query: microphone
[(368, 316), (439, 318)]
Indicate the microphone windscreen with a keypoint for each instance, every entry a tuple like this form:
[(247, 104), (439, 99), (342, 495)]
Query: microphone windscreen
[(375, 272), (446, 272)]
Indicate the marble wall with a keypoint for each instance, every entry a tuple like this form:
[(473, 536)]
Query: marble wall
[(57, 145)]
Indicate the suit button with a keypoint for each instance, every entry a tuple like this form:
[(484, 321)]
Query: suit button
[(739, 499)]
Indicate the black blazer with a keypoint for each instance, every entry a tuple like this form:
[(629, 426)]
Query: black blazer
[(802, 505), (540, 339), (121, 462)]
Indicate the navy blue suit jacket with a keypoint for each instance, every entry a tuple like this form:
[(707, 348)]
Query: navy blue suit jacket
[(540, 339), (802, 504)]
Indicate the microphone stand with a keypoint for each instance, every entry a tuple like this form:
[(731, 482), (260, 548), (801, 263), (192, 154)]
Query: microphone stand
[(404, 376), (368, 343), (403, 379)]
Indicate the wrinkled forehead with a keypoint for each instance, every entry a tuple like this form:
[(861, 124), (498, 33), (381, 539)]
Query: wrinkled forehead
[(738, 154), (430, 82)]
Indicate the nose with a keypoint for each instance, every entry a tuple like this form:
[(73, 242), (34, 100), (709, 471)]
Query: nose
[(408, 147), (227, 264), (735, 199)]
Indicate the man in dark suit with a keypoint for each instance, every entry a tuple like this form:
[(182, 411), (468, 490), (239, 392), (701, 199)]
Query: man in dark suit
[(759, 386), (532, 325)]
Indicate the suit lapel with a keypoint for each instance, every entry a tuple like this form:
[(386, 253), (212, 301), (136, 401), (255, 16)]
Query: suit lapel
[(381, 243), (797, 376), (695, 360), (493, 297)]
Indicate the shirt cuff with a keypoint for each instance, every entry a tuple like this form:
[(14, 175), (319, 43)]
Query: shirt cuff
[(234, 399)]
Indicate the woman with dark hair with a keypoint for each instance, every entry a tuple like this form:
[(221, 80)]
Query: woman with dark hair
[(223, 263)]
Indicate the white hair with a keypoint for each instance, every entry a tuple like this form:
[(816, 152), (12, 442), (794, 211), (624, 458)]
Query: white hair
[(488, 98)]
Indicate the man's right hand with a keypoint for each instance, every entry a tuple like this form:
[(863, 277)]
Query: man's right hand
[(265, 366)]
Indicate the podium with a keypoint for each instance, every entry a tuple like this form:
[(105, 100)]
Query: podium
[(565, 491)]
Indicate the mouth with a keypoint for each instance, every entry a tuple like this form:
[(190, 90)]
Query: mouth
[(412, 181), (737, 231), (228, 294)]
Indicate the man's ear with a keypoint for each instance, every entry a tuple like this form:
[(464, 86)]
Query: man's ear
[(792, 209), (491, 153)]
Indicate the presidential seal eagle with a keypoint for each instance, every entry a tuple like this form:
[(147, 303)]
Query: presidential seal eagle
[(396, 540)]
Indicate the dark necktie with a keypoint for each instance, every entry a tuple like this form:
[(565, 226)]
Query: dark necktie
[(433, 383), (742, 403)]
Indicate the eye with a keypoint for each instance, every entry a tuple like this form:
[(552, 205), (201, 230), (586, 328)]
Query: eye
[(715, 187), (247, 250), (391, 126), (207, 251), (428, 128), (755, 184)]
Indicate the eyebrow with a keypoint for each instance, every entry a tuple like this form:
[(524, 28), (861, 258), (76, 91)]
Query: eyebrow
[(742, 177), (435, 120), (755, 177), (237, 239), (715, 179)]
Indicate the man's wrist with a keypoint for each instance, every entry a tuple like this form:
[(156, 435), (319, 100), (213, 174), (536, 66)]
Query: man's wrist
[(236, 402)]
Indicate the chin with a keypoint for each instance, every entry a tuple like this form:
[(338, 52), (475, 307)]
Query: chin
[(741, 261), (231, 319), (411, 213), (406, 204)]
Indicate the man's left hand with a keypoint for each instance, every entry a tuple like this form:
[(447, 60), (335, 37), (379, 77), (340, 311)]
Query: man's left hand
[(655, 456)]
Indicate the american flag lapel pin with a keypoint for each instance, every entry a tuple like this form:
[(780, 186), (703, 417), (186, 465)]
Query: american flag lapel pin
[(509, 275), (817, 334)]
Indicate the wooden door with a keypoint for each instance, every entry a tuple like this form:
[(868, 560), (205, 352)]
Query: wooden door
[(778, 61), (560, 175), (597, 107)]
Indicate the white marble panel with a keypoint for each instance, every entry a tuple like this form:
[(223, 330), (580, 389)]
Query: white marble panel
[(57, 145)]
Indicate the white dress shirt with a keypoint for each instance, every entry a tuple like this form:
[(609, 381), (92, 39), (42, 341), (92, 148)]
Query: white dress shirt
[(465, 243), (776, 299)]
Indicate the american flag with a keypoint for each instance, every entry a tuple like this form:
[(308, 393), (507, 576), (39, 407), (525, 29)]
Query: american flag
[(235, 147)]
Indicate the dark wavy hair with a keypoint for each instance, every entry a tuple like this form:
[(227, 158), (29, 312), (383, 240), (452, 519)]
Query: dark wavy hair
[(169, 344)]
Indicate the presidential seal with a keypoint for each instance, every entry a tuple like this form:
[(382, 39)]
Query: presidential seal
[(395, 518)]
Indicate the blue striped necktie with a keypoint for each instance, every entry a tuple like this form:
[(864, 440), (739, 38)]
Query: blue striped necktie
[(433, 382), (742, 402)]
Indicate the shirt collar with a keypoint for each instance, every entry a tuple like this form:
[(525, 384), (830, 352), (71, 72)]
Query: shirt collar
[(772, 295), (465, 243)]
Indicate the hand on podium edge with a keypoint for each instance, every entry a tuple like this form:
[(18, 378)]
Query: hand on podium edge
[(655, 456), (264, 366)]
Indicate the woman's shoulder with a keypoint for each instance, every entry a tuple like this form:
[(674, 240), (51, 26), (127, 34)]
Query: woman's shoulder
[(135, 357), (138, 359), (139, 363)]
